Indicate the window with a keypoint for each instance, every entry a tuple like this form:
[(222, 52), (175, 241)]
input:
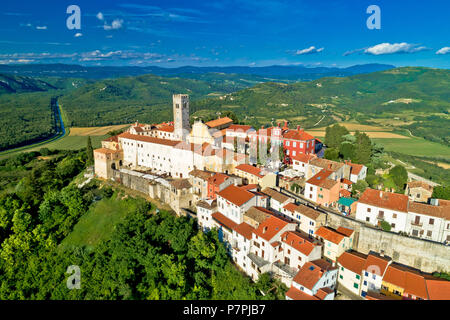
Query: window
[(415, 233), (367, 219), (431, 221), (394, 216), (368, 209), (355, 285), (341, 277), (358, 276), (393, 225), (429, 233), (365, 283)]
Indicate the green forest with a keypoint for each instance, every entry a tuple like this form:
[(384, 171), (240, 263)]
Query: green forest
[(148, 254)]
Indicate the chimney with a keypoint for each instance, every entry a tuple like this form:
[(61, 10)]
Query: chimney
[(278, 124), (329, 166), (381, 194), (298, 128)]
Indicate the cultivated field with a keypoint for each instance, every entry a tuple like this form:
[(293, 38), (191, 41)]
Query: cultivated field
[(95, 131), (371, 134)]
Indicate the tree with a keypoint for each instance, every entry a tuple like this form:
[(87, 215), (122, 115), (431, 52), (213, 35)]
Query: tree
[(441, 192), (385, 225), (347, 150), (359, 186), (331, 154), (399, 176), (333, 135), (89, 152), (363, 148)]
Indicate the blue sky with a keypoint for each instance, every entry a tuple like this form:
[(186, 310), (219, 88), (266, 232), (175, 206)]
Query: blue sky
[(228, 32)]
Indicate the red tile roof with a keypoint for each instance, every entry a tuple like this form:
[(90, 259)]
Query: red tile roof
[(420, 184), (218, 122), (296, 241), (236, 195), (245, 230), (355, 168), (438, 289), (296, 294), (311, 272), (387, 200), (321, 180), (249, 187), (127, 135), (298, 135), (351, 261), (323, 292), (345, 231), (239, 127), (270, 227), (218, 179), (250, 169), (374, 263), (345, 193), (346, 181), (440, 211), (106, 151), (224, 221), (412, 282), (304, 157), (330, 235)]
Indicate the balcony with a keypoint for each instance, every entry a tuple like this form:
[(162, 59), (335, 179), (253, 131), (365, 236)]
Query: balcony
[(380, 217)]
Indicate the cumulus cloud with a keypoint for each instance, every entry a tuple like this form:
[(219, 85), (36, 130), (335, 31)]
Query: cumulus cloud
[(100, 16), (388, 48), (78, 35), (116, 24), (444, 50), (309, 50), (41, 27)]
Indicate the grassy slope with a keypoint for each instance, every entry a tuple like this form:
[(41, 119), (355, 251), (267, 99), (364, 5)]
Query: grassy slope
[(99, 222)]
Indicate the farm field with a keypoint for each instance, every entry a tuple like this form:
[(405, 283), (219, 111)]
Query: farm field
[(371, 134), (415, 147), (95, 131)]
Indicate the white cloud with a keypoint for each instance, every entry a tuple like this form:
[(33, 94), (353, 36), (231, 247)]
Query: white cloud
[(78, 35), (41, 28), (388, 48), (309, 50), (116, 24), (444, 50), (100, 16)]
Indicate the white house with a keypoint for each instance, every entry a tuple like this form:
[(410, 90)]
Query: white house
[(350, 266), (308, 219), (375, 206), (277, 200), (373, 272), (233, 202)]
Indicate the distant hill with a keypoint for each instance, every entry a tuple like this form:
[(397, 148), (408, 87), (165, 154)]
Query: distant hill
[(285, 73), (19, 84), (417, 97), (124, 100)]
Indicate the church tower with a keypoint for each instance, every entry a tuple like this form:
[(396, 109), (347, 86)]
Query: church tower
[(181, 116)]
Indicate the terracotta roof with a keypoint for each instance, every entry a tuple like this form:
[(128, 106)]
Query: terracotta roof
[(330, 235), (180, 184), (352, 261), (138, 129), (113, 139), (275, 195), (374, 263), (218, 122), (321, 180), (239, 127), (298, 135), (250, 169), (411, 281), (201, 174), (345, 193), (355, 167), (311, 272), (302, 157), (430, 210), (345, 231), (296, 294), (270, 227), (346, 181), (326, 164), (296, 241), (323, 292), (438, 289), (249, 187), (304, 210), (236, 195), (106, 151), (420, 184), (127, 135), (218, 178), (224, 221), (387, 200), (245, 230)]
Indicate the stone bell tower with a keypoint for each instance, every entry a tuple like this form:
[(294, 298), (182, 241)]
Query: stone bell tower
[(181, 116)]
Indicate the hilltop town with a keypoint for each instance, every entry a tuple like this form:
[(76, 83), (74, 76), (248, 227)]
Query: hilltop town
[(281, 208)]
